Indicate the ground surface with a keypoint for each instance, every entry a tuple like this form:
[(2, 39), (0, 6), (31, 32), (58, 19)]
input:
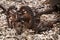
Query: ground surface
[(7, 33)]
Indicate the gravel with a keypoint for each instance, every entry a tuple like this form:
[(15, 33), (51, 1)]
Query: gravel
[(7, 33)]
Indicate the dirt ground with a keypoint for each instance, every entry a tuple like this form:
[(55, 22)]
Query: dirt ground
[(7, 33)]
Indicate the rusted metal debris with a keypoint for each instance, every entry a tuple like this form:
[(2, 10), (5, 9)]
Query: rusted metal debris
[(25, 19)]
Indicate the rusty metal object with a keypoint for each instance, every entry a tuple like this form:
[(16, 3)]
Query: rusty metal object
[(11, 16), (25, 19), (27, 16), (17, 21)]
